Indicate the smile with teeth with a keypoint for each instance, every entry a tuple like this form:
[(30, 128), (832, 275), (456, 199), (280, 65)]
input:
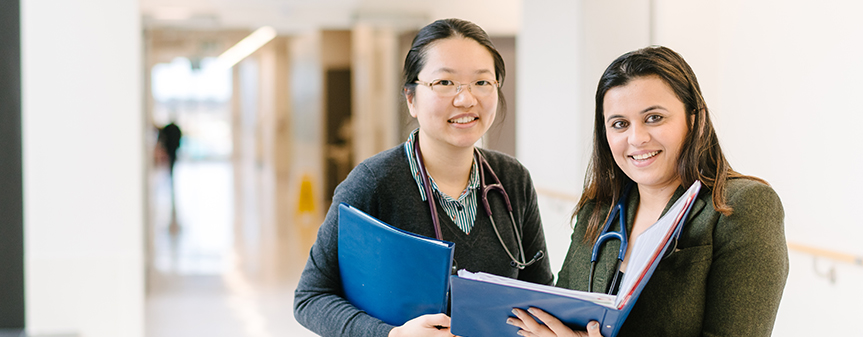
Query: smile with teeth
[(644, 156), (463, 120)]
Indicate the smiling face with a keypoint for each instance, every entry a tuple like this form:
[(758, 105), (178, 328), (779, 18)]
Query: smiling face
[(645, 125), (454, 121)]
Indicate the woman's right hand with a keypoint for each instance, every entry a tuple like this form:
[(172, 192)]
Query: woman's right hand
[(435, 325), (552, 326)]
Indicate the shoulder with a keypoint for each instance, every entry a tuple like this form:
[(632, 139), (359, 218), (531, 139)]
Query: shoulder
[(512, 174), (746, 193), (381, 166), (586, 209), (503, 164), (392, 158), (373, 172), (756, 211)]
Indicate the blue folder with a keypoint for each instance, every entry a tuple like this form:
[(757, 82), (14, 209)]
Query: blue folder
[(391, 274), (480, 308)]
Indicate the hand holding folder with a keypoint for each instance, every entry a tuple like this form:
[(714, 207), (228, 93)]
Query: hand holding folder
[(481, 302), (389, 273)]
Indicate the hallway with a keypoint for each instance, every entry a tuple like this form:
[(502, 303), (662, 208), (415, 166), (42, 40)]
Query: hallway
[(202, 280)]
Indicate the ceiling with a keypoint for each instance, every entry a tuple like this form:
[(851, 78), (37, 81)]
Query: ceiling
[(497, 17)]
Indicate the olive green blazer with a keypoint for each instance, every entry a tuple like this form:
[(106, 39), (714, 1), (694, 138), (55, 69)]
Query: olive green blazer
[(725, 278)]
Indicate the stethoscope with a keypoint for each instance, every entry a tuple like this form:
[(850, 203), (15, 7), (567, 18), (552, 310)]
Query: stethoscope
[(484, 189), (606, 235), (621, 235)]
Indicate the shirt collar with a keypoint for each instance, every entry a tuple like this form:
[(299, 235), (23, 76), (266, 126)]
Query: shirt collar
[(473, 182)]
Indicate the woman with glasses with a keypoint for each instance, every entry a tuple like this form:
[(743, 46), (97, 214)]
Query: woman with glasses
[(727, 272), (452, 78)]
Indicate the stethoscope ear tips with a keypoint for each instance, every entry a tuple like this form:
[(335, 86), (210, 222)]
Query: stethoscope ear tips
[(539, 255), (536, 257)]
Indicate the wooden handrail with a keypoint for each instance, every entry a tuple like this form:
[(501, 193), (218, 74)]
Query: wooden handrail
[(818, 252), (556, 194)]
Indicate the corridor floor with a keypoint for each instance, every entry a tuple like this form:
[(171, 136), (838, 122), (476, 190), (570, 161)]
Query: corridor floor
[(202, 279)]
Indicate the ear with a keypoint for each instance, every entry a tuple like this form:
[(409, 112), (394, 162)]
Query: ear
[(410, 100)]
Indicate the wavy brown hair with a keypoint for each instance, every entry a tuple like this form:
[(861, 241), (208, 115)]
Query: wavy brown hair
[(700, 158)]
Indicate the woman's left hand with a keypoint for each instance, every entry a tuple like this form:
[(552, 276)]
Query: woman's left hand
[(551, 327)]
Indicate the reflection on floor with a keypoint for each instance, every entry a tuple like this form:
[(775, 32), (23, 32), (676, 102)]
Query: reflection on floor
[(207, 278)]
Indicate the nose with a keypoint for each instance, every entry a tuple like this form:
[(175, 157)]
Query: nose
[(464, 98), (638, 135)]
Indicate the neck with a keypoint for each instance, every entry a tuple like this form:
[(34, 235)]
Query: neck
[(450, 166), (656, 198)]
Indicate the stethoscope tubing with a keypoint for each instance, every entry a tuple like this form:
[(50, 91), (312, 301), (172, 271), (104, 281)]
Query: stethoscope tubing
[(427, 189), (605, 235), (483, 166)]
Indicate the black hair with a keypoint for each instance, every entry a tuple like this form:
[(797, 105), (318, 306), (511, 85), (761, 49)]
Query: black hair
[(443, 29)]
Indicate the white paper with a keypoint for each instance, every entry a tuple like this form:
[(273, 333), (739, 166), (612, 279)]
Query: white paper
[(598, 298), (652, 240)]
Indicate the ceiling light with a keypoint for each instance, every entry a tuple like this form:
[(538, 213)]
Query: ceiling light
[(246, 47)]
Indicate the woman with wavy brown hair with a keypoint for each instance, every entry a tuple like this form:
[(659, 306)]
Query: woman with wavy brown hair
[(726, 276)]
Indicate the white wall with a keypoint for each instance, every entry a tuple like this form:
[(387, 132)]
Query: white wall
[(787, 81), (562, 50), (83, 167), (781, 79)]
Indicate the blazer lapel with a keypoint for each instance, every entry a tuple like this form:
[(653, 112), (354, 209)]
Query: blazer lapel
[(696, 207)]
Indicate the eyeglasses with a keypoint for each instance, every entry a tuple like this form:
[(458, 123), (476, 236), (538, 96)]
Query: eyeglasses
[(452, 88)]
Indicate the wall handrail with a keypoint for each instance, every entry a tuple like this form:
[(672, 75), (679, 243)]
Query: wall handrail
[(815, 251), (820, 252), (556, 194)]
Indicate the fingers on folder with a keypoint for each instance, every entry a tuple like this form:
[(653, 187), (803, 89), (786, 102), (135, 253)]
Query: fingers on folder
[(435, 325), (549, 326)]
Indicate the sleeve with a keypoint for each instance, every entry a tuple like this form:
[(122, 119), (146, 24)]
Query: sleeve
[(533, 238), (750, 265), (318, 301)]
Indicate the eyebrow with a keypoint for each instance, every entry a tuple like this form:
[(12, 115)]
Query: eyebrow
[(452, 71), (650, 108)]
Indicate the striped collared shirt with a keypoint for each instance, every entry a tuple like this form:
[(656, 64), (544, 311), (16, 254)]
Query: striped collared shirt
[(461, 211)]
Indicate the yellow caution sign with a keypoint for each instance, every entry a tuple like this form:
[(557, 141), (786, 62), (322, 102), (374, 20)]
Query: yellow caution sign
[(306, 219), (307, 200)]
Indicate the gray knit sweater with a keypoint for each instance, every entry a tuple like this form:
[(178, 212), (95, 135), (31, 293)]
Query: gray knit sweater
[(383, 187)]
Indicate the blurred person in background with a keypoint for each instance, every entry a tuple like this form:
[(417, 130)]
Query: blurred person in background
[(167, 144)]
